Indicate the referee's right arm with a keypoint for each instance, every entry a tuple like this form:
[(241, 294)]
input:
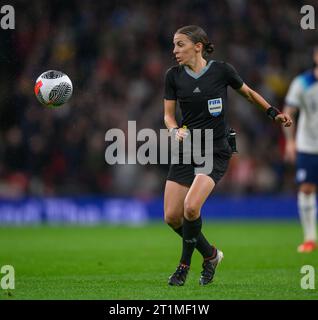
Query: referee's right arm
[(170, 102), (170, 114), (170, 120)]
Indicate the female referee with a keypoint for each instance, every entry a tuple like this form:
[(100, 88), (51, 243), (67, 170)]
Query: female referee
[(197, 83)]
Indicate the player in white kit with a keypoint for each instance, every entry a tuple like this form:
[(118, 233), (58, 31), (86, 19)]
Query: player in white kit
[(302, 148)]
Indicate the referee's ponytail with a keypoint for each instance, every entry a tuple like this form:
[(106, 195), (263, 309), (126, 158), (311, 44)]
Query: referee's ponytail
[(197, 34)]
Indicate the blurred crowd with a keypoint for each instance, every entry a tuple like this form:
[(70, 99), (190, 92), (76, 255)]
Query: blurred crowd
[(116, 54)]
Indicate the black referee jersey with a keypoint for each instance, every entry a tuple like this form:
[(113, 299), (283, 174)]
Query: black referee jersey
[(202, 96)]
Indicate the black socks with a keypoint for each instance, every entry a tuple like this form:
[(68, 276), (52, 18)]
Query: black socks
[(203, 246), (191, 231)]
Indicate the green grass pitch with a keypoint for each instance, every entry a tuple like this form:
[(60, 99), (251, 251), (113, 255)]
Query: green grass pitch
[(121, 262)]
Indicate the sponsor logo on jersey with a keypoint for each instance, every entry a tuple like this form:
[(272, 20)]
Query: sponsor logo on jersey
[(197, 90), (215, 106)]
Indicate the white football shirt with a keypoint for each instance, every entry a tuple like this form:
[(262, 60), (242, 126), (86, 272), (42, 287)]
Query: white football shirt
[(303, 94)]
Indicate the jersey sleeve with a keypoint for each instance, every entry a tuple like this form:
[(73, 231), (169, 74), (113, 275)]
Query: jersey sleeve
[(232, 78), (170, 88), (293, 97)]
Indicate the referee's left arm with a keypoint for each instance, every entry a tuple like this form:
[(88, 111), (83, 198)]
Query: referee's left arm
[(256, 99)]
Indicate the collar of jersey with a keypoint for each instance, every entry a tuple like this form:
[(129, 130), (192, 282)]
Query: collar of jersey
[(199, 74)]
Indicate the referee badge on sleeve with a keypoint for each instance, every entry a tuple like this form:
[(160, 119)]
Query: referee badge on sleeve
[(215, 106)]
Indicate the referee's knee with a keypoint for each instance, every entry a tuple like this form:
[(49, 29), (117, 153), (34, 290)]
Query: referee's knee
[(173, 221), (191, 211)]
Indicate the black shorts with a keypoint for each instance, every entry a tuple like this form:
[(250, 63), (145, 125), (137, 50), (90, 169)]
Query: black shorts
[(184, 173)]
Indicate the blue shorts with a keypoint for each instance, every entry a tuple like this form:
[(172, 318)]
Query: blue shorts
[(307, 168)]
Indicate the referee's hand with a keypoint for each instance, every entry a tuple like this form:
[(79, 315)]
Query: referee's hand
[(181, 134), (284, 119)]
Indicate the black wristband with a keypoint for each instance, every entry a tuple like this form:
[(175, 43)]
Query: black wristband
[(272, 112)]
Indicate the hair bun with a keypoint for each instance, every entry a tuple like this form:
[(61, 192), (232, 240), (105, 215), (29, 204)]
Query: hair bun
[(209, 47)]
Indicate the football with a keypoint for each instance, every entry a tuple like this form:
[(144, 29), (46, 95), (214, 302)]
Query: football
[(53, 88)]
